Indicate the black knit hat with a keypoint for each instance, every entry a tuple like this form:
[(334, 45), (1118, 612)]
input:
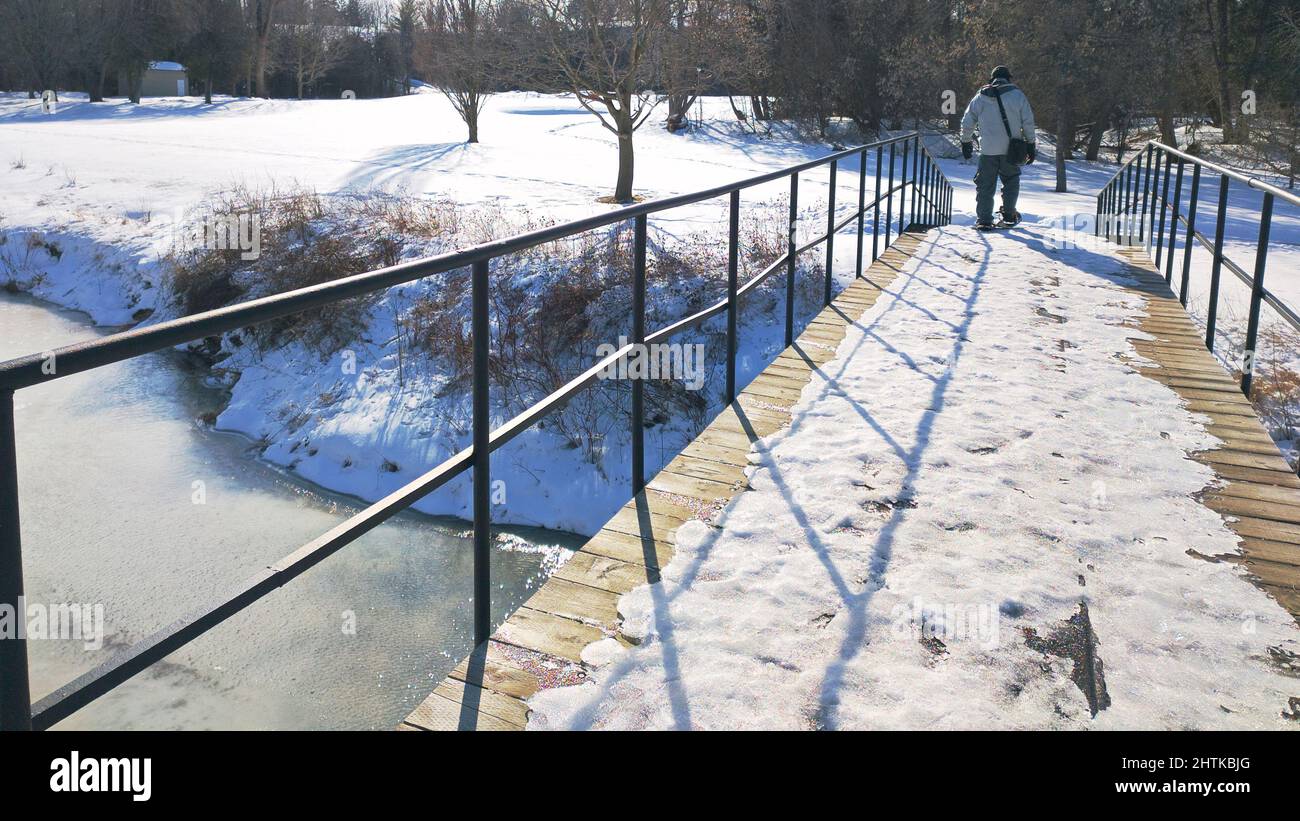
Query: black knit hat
[(1000, 73)]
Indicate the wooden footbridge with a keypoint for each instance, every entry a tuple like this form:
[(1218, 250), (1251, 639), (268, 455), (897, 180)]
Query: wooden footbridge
[(541, 645)]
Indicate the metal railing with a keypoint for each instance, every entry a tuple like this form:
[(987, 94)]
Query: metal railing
[(930, 204), (1127, 210)]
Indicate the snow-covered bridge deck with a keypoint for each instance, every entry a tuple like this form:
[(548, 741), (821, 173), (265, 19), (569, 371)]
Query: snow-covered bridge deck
[(998, 483)]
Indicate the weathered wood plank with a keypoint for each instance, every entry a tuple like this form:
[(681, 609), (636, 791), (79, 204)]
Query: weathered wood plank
[(547, 633), (1260, 500), (437, 712)]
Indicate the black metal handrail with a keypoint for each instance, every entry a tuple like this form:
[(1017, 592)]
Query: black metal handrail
[(930, 204), (1129, 203)]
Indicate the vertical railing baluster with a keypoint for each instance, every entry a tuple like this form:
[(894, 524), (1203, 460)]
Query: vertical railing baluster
[(1173, 224), (875, 207), (1164, 209), (1191, 233), (862, 209), (481, 327), (1256, 296), (1155, 198), (889, 197), (1146, 184), (790, 259), (638, 338), (15, 691), (1122, 206), (916, 196), (931, 217), (1130, 193), (733, 259), (830, 230), (902, 185), (1217, 265), (1110, 209)]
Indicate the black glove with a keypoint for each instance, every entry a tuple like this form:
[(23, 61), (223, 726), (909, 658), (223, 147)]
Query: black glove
[(967, 149), (1031, 153)]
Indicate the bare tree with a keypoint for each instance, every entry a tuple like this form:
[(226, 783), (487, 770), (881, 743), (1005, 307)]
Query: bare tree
[(309, 42), (692, 48), (603, 50), (35, 34), (461, 55), (212, 39), (261, 15)]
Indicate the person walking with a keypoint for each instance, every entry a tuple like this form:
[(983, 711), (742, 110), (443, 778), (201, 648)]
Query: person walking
[(1000, 112)]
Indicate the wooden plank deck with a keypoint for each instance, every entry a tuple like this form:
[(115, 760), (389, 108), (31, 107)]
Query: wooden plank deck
[(540, 645), (1260, 497)]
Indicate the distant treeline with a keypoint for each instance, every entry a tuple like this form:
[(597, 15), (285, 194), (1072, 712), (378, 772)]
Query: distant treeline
[(1090, 68)]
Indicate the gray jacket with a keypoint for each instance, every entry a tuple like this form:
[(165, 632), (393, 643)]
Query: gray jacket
[(983, 113)]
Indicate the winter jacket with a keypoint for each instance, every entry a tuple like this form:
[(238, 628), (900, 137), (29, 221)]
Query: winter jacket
[(983, 113)]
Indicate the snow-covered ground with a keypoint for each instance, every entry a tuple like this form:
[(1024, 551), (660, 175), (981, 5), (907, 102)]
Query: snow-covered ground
[(92, 197), (820, 585), (971, 493)]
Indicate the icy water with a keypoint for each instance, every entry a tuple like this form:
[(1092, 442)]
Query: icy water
[(130, 503)]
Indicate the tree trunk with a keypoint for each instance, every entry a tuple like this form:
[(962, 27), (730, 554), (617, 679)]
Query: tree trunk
[(623, 190), (471, 122), (1064, 133), (1097, 134), (1094, 140), (207, 87), (97, 96), (1219, 31), (1167, 134), (263, 11)]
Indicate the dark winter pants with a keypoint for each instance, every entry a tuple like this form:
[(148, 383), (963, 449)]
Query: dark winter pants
[(991, 168)]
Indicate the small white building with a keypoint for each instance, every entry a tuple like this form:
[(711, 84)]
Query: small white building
[(162, 79)]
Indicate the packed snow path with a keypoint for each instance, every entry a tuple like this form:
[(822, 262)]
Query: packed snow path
[(980, 516)]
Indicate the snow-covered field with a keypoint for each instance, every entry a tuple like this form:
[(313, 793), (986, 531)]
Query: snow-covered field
[(106, 186), (971, 493)]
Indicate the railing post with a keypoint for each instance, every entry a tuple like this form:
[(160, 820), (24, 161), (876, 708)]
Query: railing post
[(1213, 311), (1173, 223), (1164, 209), (482, 458), (733, 256), (15, 692), (1130, 195), (916, 192), (1256, 295), (1146, 184), (830, 231), (875, 207), (862, 208), (1191, 233), (931, 176), (902, 183), (790, 259), (1122, 205), (889, 197), (638, 337)]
